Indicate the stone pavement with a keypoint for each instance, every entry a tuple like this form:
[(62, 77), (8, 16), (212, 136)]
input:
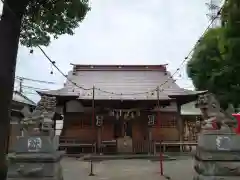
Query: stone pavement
[(127, 169)]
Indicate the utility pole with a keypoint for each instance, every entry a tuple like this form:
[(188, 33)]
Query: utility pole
[(20, 85), (158, 119), (93, 106), (214, 7)]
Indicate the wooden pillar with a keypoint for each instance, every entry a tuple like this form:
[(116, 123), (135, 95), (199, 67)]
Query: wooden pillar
[(63, 120), (54, 126), (180, 124), (93, 107), (123, 128), (99, 139), (149, 139)]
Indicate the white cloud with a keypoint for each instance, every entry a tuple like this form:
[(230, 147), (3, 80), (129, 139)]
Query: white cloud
[(124, 32)]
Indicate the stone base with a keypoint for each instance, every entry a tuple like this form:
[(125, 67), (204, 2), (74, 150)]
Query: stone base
[(200, 177), (53, 178), (217, 155), (218, 168)]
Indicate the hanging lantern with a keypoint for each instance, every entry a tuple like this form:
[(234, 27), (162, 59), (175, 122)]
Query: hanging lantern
[(138, 113), (111, 113), (99, 121), (132, 115), (53, 62), (125, 116), (151, 120), (117, 116)]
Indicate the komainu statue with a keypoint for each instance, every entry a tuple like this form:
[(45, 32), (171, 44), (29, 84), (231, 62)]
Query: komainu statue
[(218, 152), (213, 116), (35, 154)]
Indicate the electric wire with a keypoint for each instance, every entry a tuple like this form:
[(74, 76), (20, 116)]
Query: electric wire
[(104, 91)]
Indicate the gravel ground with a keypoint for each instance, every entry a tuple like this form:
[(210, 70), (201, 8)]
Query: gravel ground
[(127, 169)]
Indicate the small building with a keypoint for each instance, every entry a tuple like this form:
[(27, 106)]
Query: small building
[(190, 115), (19, 101), (124, 109)]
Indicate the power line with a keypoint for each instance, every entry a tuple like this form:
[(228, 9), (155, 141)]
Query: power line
[(214, 6), (171, 77), (32, 93), (34, 88), (33, 80), (59, 70)]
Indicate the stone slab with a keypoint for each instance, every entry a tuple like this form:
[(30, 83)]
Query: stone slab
[(217, 155), (219, 142), (34, 144), (217, 168), (48, 169), (36, 157), (200, 177), (46, 178)]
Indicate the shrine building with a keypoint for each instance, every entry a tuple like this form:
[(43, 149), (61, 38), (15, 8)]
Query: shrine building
[(121, 109)]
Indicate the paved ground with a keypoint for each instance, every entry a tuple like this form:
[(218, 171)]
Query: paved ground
[(127, 169)]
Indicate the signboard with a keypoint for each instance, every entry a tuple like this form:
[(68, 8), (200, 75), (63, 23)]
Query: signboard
[(223, 143), (34, 144)]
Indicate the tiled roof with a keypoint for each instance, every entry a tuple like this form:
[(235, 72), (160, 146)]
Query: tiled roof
[(125, 80), (18, 97), (190, 109)]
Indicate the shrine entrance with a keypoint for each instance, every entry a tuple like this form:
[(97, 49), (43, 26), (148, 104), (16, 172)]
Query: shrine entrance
[(123, 130), (127, 126)]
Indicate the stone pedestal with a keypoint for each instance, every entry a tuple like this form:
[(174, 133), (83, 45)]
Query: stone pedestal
[(35, 157), (217, 156), (124, 145)]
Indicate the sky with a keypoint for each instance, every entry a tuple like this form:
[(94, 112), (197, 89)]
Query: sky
[(122, 32)]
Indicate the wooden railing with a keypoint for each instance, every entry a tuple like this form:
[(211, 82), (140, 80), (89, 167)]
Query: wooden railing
[(143, 147), (108, 146), (67, 142), (182, 145)]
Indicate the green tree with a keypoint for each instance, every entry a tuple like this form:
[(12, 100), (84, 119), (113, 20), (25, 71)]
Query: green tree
[(46, 19), (215, 62), (33, 22), (205, 66)]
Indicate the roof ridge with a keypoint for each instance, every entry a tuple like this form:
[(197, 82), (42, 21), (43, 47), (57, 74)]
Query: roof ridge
[(25, 97)]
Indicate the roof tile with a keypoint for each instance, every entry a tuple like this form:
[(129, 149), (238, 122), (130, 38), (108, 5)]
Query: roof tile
[(121, 84)]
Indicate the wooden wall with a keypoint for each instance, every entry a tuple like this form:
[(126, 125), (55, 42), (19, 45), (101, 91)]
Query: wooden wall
[(139, 129), (79, 126), (107, 130), (165, 128), (190, 130)]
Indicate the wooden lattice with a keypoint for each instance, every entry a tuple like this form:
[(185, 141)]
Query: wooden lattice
[(168, 123), (190, 131)]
